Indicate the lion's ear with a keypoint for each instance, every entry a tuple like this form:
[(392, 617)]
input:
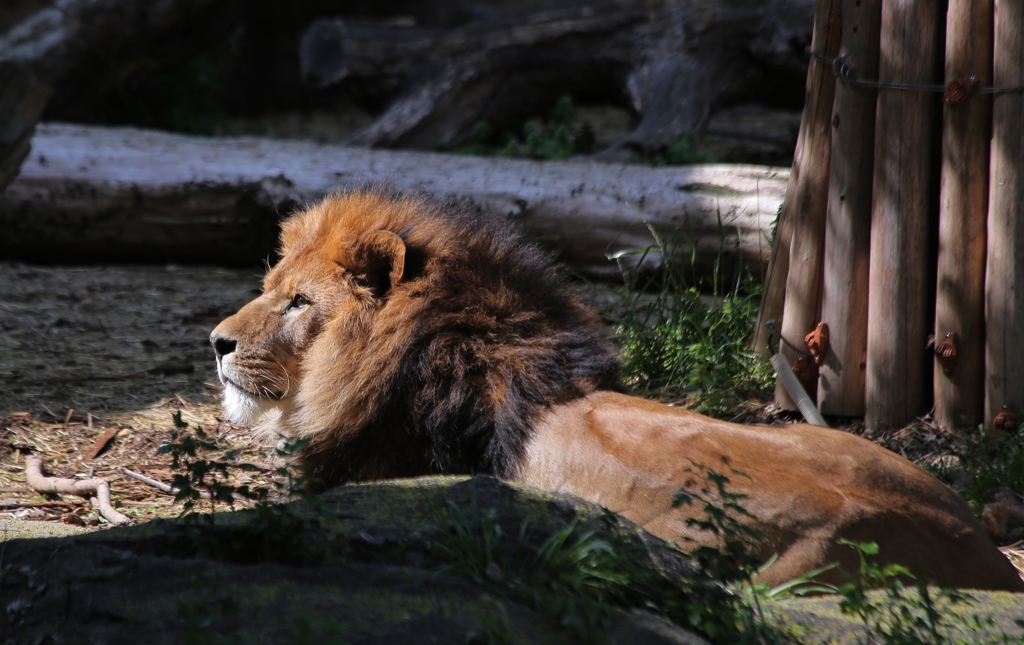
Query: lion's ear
[(382, 257)]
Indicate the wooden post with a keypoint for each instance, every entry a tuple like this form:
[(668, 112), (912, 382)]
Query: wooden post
[(807, 192), (844, 303), (1004, 281), (963, 204), (773, 297), (810, 150), (901, 212)]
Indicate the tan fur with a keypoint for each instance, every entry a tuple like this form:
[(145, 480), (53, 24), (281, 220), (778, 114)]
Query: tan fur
[(405, 339)]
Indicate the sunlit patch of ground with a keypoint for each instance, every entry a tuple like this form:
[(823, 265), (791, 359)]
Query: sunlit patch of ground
[(138, 435)]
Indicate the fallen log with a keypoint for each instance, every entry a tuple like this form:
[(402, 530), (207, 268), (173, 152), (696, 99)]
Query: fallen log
[(673, 61), (120, 194)]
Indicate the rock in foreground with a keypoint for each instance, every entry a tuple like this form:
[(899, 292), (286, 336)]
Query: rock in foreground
[(282, 580)]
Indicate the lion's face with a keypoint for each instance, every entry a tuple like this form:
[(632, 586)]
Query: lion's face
[(319, 291), (259, 349)]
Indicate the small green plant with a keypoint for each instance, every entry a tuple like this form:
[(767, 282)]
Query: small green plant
[(492, 626), (918, 616), (681, 341), (198, 475), (725, 518), (573, 576), (558, 136), (209, 623), (277, 531), (579, 580), (681, 152), (739, 615), (989, 462)]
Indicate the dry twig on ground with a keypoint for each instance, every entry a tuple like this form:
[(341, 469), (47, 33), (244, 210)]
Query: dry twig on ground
[(167, 488), (97, 490)]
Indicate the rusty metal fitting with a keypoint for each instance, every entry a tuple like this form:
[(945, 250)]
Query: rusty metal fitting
[(818, 343), (805, 371), (946, 352), (960, 89), (1004, 421)]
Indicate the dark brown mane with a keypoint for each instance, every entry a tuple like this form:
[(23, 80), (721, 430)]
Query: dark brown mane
[(482, 334)]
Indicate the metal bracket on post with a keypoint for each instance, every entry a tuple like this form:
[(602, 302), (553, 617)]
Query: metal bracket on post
[(804, 371), (790, 381), (818, 343), (959, 89), (1004, 421), (946, 353)]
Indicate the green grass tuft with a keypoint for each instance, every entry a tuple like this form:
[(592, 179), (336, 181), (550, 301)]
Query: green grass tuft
[(582, 581), (681, 152), (919, 616), (558, 135), (572, 575), (681, 341)]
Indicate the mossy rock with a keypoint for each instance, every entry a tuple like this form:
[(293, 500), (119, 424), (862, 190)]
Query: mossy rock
[(371, 576), (818, 620), (21, 529), (376, 566)]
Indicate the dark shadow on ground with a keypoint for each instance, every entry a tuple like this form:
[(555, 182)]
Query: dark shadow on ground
[(106, 339)]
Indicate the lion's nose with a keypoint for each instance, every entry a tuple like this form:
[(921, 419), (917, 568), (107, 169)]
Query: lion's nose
[(222, 345)]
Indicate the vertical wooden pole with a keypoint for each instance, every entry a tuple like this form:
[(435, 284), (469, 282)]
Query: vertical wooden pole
[(774, 295), (1004, 282), (963, 205), (844, 303), (807, 182), (807, 192), (901, 210)]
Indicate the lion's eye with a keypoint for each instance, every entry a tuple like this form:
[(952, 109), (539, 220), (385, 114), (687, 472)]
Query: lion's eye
[(298, 302)]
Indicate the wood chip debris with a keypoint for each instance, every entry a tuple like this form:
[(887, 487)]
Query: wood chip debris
[(101, 443)]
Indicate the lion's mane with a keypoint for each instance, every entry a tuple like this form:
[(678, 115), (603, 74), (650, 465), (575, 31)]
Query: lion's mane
[(480, 335)]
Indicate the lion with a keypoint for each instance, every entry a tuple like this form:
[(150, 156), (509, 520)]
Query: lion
[(405, 336)]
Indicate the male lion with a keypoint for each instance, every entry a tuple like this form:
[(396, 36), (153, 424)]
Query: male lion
[(406, 337)]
